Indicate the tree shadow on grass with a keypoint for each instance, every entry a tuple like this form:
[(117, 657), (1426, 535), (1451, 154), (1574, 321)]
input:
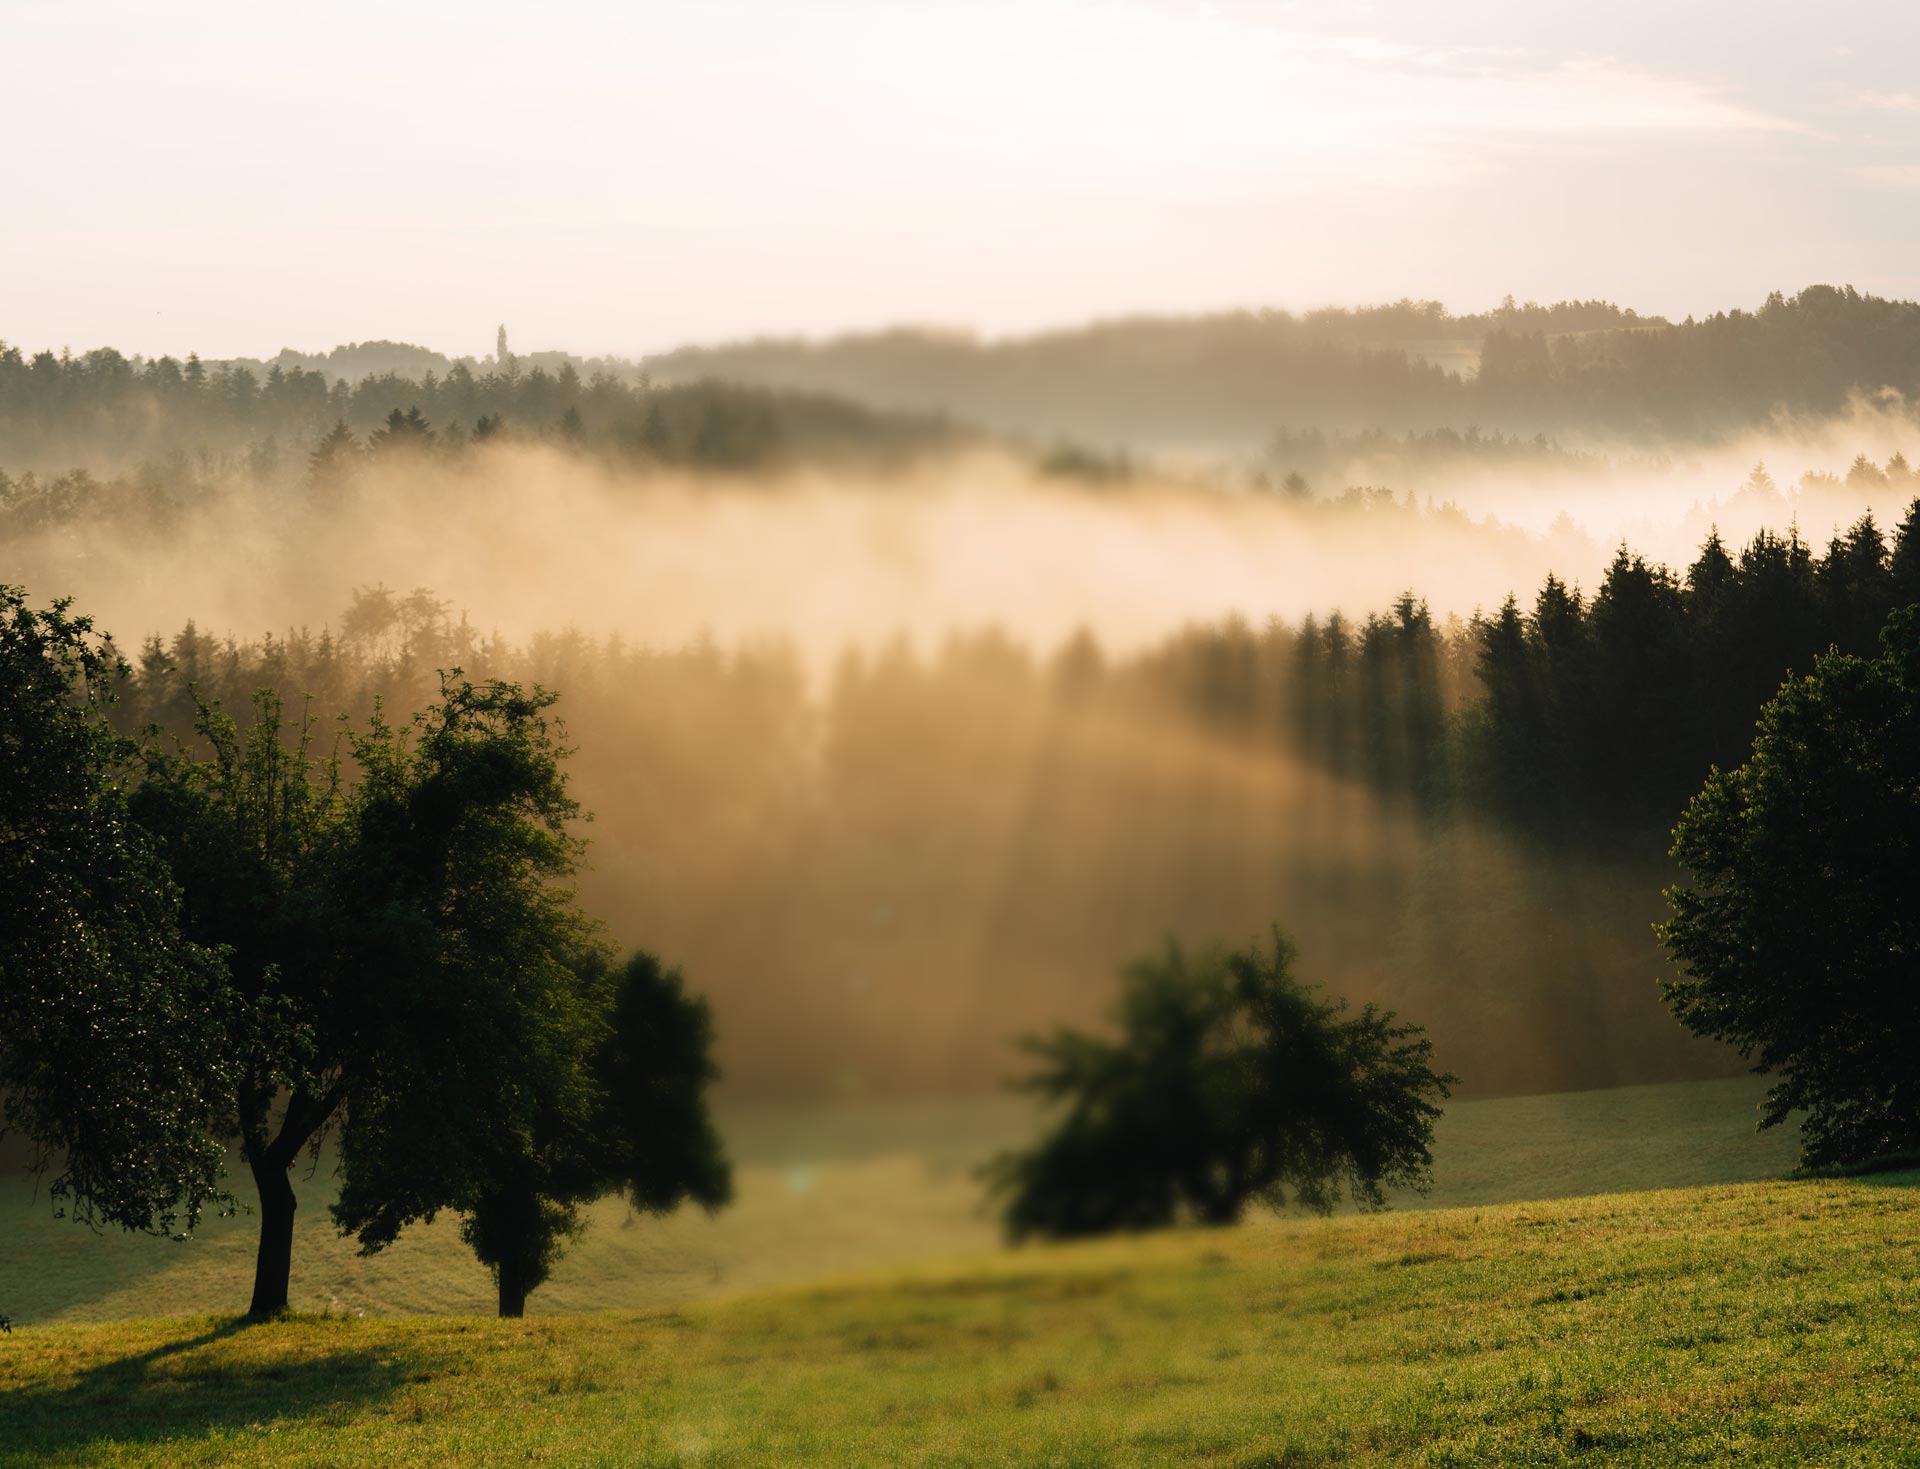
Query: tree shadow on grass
[(197, 1386), (1888, 1170), (1905, 1176)]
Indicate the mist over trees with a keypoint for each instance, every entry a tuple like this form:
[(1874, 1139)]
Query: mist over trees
[(249, 940), (1580, 370), (1463, 818), (163, 423), (946, 844)]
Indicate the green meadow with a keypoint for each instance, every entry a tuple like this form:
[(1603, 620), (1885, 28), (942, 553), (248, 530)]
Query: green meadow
[(1772, 1323), (828, 1189), (1678, 1301)]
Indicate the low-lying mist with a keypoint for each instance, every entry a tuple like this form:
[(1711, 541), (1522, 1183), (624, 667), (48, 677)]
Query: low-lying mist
[(526, 538), (846, 772)]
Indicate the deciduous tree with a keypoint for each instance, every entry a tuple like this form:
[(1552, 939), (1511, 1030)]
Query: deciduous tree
[(1796, 931), (1230, 1081)]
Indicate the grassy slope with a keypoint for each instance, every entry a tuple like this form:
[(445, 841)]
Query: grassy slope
[(834, 1189), (1772, 1323)]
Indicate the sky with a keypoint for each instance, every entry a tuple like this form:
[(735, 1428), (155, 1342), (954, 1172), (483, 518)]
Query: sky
[(625, 177)]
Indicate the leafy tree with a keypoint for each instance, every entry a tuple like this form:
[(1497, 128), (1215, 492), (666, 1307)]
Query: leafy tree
[(609, 1097), (1230, 1081), (110, 1020), (1795, 933), (389, 938)]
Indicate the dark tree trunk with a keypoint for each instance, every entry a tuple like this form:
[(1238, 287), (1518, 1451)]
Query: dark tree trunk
[(274, 1263), (513, 1292)]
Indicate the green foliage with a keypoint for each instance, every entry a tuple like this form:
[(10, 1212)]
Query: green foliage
[(398, 939), (463, 857), (1598, 718), (110, 1020), (1796, 931), (614, 1086), (514, 1074), (1230, 1082)]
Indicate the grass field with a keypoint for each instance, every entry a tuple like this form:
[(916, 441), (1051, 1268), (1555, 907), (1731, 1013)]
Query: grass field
[(830, 1189), (1764, 1324)]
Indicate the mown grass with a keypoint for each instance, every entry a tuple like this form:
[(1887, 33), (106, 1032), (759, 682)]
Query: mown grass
[(829, 1189), (1774, 1323)]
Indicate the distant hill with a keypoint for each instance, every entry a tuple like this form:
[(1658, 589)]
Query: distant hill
[(1230, 382), (1579, 372)]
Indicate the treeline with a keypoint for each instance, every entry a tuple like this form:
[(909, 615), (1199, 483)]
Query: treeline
[(1227, 380), (1408, 320), (353, 361), (1807, 354), (1463, 817), (162, 419), (1577, 717), (1315, 461), (1232, 380), (1583, 368)]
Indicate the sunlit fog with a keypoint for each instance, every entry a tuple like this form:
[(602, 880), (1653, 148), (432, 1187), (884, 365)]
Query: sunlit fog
[(1102, 732)]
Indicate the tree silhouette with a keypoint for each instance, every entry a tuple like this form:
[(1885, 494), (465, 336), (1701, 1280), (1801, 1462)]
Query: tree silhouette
[(1795, 929), (1229, 1082), (396, 936), (112, 1021)]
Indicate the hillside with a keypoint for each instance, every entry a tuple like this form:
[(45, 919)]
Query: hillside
[(1231, 381), (827, 1189), (1771, 1323)]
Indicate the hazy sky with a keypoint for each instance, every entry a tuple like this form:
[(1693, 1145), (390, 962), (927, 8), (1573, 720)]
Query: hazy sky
[(621, 177)]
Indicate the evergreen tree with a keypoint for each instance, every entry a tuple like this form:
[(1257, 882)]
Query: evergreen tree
[(333, 458)]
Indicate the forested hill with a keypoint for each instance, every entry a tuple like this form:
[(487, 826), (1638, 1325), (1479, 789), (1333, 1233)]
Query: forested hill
[(176, 421), (1231, 381), (1580, 370)]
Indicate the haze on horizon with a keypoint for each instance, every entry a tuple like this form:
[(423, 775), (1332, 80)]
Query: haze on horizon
[(622, 179)]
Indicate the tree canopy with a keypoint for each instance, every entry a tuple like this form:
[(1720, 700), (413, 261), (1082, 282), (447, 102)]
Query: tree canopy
[(393, 937), (1230, 1081), (112, 1022), (608, 1096), (1796, 930)]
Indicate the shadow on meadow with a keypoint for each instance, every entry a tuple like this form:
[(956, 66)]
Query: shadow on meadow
[(231, 1377), (1905, 1175)]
